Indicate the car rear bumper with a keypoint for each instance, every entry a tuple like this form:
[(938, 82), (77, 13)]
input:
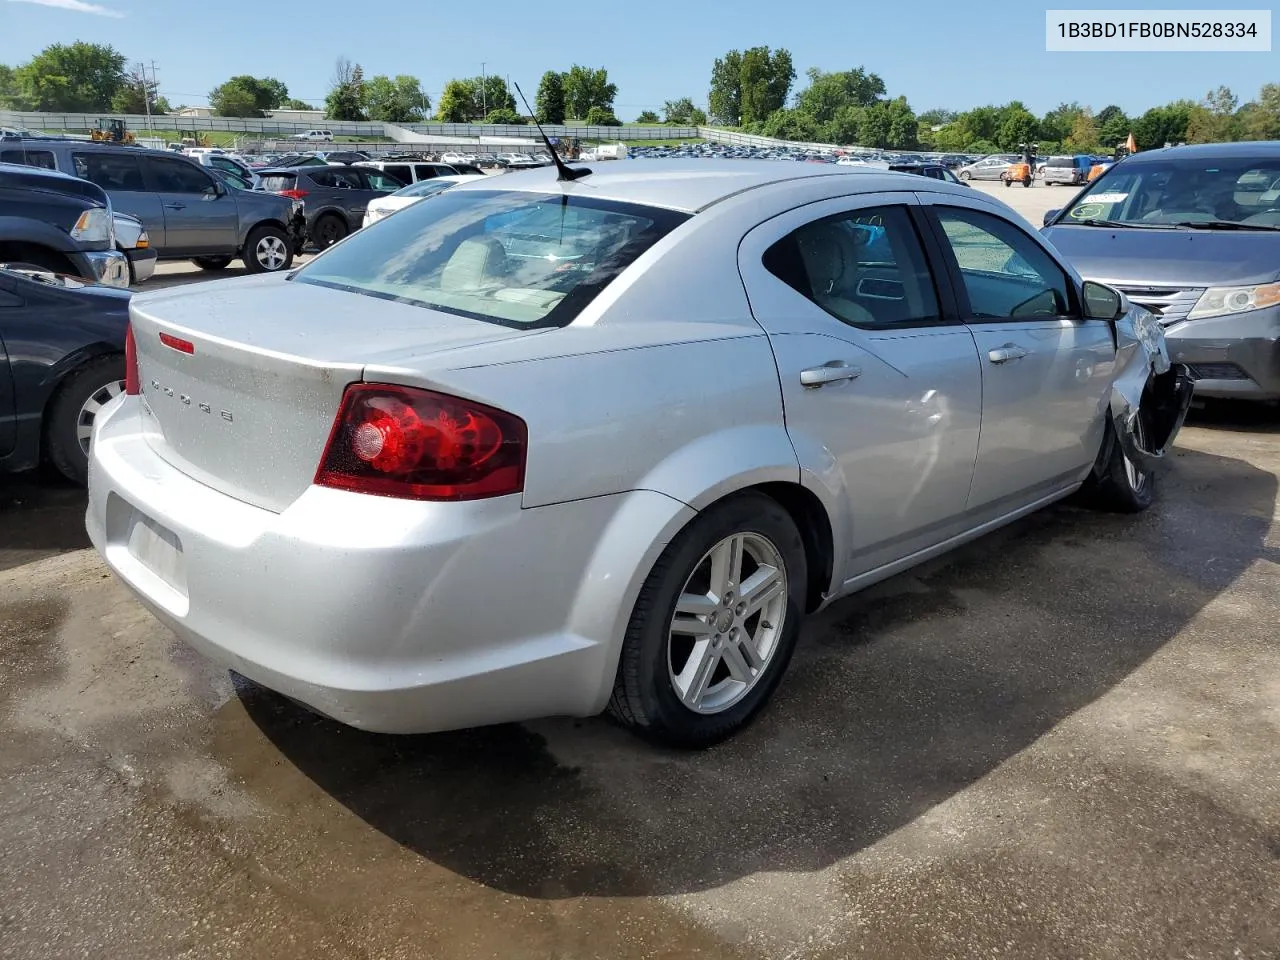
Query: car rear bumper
[(389, 615), (1233, 357)]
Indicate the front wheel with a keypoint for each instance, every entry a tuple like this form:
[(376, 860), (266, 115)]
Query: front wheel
[(268, 250), (714, 625), (1026, 181), (966, 176), (1120, 485)]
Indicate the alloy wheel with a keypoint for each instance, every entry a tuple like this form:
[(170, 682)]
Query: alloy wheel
[(727, 623), (90, 408), (271, 253)]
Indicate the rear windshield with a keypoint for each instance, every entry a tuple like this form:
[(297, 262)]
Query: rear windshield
[(1185, 192), (1061, 162), (513, 258), (276, 182)]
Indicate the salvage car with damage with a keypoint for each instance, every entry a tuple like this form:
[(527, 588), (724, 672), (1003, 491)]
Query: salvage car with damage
[(584, 440)]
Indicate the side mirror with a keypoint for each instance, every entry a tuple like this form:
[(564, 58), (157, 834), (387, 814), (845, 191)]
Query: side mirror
[(1049, 216), (1100, 301), (219, 189)]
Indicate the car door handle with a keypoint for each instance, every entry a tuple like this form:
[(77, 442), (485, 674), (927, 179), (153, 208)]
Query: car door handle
[(1010, 351), (831, 372), (175, 206)]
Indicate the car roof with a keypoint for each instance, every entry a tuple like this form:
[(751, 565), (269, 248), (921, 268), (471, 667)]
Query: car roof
[(1262, 149), (694, 185), (21, 175)]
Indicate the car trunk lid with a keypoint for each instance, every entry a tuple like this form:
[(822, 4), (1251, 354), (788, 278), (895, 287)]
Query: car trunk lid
[(241, 379)]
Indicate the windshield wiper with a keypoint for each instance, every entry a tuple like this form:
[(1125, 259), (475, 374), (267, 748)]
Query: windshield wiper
[(1094, 222), (1221, 225)]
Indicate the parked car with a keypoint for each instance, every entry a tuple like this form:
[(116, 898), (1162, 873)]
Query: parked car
[(411, 171), (324, 136), (62, 360), (225, 163), (59, 223), (189, 213), (1072, 171), (334, 198), (935, 171), (988, 168), (1186, 232), (413, 473), (384, 206), (134, 242)]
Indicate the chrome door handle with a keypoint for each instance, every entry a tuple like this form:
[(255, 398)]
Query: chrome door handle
[(830, 372), (1010, 351)]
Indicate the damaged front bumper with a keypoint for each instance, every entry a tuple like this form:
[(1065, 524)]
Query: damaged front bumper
[(1150, 395)]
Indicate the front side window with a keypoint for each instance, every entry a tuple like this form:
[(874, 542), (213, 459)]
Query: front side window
[(866, 268), (110, 171), (380, 180), (507, 257), (176, 176), (1005, 273)]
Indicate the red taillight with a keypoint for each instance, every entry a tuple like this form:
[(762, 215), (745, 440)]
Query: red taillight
[(294, 194), (405, 442), (132, 385), (177, 343)]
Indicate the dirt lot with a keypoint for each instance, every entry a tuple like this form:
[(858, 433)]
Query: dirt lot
[(1059, 742)]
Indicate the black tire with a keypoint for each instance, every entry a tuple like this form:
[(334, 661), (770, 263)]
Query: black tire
[(261, 239), (1110, 488), (966, 175), (212, 263), (1007, 181), (62, 426), (1026, 181), (329, 229), (644, 698)]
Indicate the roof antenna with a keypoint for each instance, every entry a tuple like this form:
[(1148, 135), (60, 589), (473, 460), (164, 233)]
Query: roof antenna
[(566, 173)]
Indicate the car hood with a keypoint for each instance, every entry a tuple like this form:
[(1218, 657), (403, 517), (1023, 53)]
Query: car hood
[(1193, 258)]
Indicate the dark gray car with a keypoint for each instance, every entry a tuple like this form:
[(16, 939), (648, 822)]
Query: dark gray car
[(334, 197), (1192, 234), (188, 213)]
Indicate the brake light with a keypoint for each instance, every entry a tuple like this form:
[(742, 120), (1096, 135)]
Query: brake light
[(396, 441), (132, 383), (294, 194), (177, 343)]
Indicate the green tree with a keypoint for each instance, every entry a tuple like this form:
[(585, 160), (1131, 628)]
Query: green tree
[(73, 78), (1161, 125), (602, 117), (587, 87), (766, 82), (472, 98), (549, 104), (398, 100), (648, 116), (456, 102), (505, 116), (938, 116), (725, 98), (828, 92), (683, 112), (1057, 123), (293, 103), (790, 125), (246, 96), (346, 92), (9, 96), (1083, 137), (1260, 120), (1113, 126), (1018, 126), (1213, 119)]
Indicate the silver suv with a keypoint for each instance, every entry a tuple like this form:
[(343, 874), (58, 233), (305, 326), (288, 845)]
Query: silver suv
[(187, 212)]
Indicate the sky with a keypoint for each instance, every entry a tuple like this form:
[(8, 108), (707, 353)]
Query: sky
[(937, 53)]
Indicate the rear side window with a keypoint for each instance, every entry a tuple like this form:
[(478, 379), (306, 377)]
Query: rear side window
[(276, 182), (866, 268), (512, 258), (380, 180), (334, 177), (110, 171), (424, 171), (401, 170), (175, 176), (30, 158)]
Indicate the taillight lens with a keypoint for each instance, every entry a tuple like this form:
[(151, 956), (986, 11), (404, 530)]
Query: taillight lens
[(293, 194), (132, 385), (404, 442)]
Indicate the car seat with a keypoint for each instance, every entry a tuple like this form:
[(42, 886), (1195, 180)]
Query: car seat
[(827, 253), (478, 263)]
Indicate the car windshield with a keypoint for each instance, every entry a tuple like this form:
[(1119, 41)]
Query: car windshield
[(513, 258), (1186, 192)]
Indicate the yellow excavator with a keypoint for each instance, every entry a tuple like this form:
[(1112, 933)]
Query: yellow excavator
[(112, 130)]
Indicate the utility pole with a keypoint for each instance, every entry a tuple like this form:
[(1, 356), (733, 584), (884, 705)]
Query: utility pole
[(484, 99), (146, 94)]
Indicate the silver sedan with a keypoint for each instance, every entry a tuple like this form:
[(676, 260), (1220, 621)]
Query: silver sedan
[(568, 443)]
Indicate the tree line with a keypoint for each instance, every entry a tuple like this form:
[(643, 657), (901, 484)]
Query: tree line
[(752, 90)]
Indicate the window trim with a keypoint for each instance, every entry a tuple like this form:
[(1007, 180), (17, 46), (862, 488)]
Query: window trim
[(952, 266)]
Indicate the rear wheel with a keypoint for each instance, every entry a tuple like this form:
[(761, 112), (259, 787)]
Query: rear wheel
[(714, 625), (965, 175), (329, 230), (267, 250), (75, 409), (212, 263), (1121, 485)]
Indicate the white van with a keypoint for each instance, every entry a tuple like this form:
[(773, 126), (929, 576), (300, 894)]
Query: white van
[(324, 135)]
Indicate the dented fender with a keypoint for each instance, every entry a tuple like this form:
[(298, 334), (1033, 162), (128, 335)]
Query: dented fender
[(1150, 395)]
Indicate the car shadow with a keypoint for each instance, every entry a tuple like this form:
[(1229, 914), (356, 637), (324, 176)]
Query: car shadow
[(41, 515), (1242, 416), (897, 699)]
